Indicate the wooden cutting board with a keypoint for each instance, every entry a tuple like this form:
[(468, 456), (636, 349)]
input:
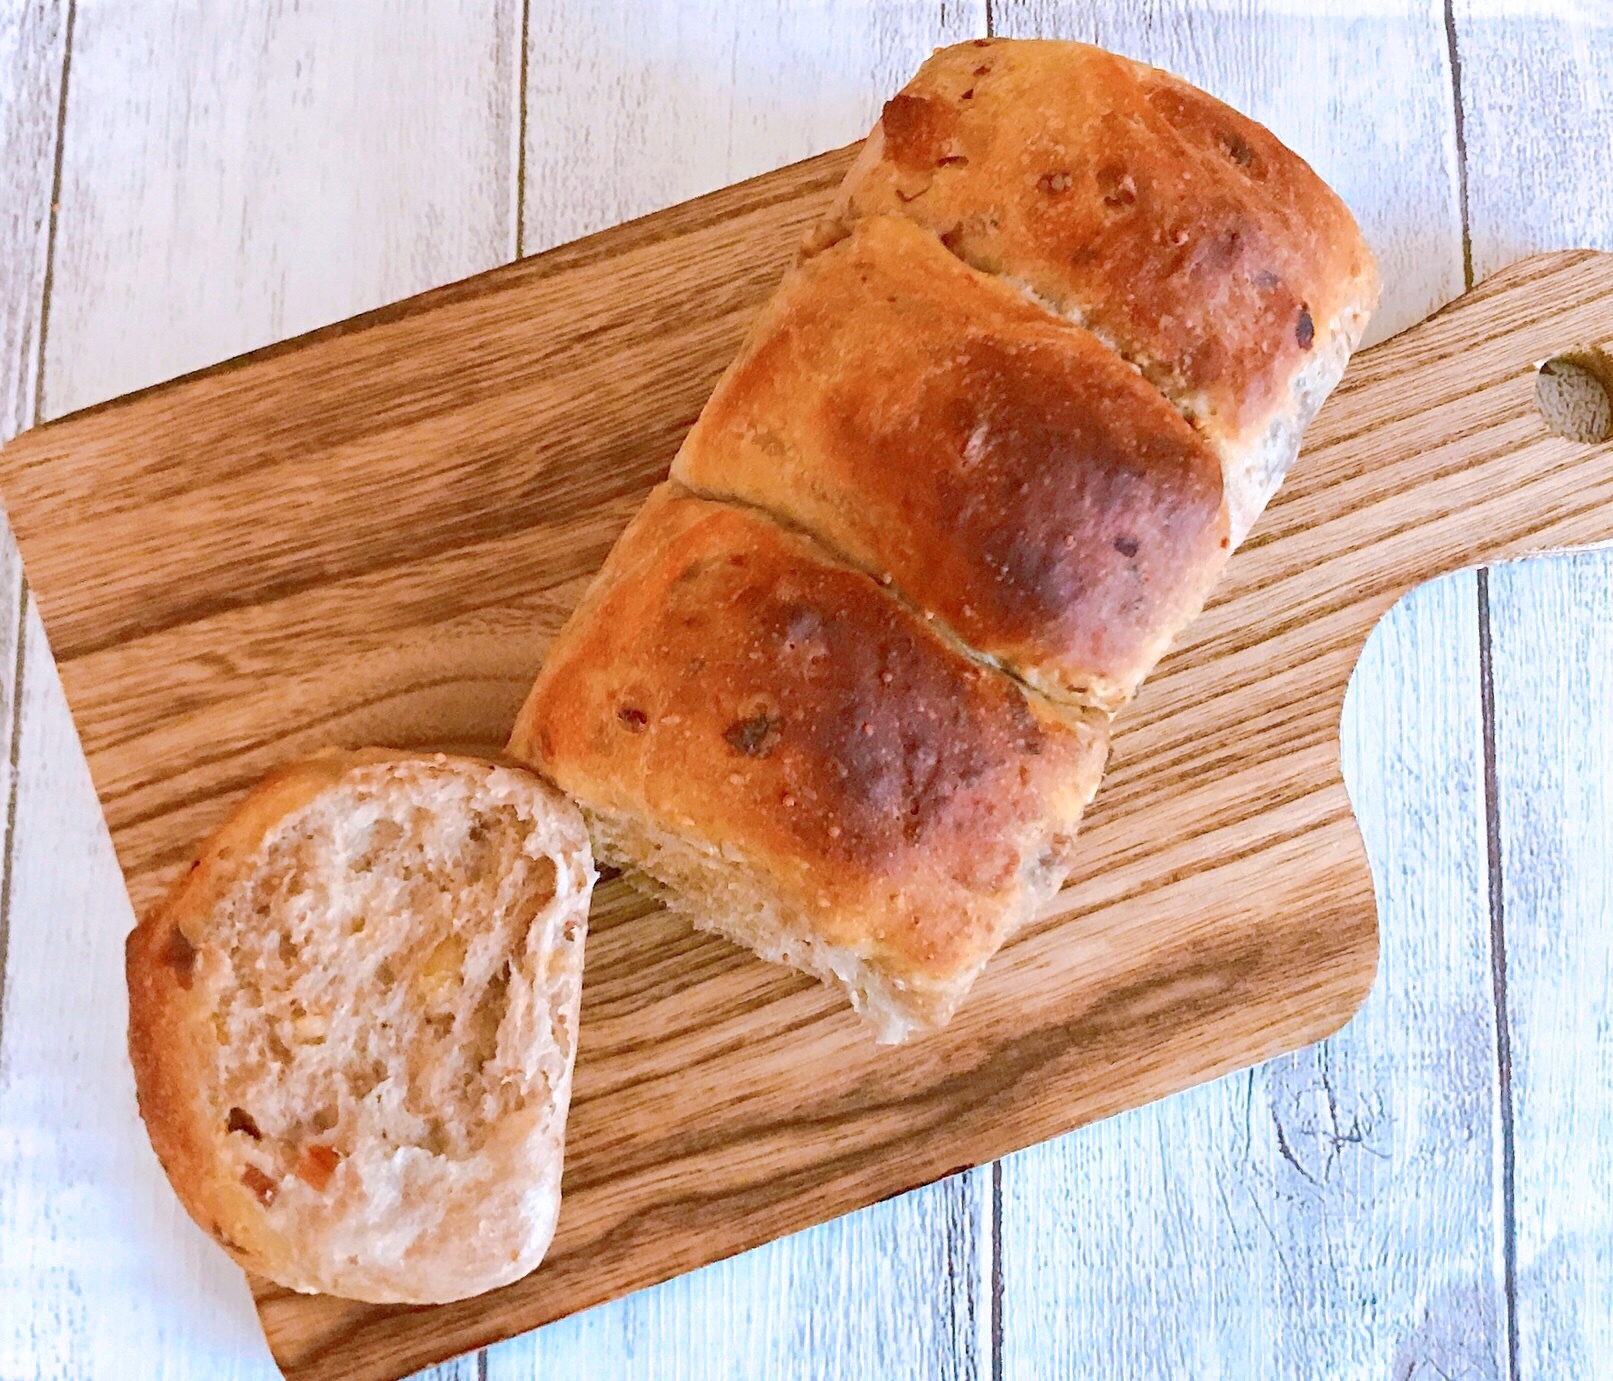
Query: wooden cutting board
[(371, 534)]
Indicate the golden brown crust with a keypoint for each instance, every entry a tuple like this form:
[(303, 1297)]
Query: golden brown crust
[(726, 681), (1179, 230), (1006, 470)]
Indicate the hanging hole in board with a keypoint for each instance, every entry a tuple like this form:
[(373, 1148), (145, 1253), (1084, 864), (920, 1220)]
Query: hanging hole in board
[(1574, 392)]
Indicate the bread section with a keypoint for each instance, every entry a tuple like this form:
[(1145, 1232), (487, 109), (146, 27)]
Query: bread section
[(1006, 471), (1182, 233), (795, 759)]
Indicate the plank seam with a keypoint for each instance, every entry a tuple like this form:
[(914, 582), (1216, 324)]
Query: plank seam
[(7, 852), (37, 413), (996, 1258), (1461, 142), (991, 32), (960, 1243), (1498, 962), (50, 234), (520, 137)]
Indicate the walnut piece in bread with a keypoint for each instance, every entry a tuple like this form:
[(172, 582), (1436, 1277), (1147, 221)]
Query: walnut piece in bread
[(353, 1024), (796, 760)]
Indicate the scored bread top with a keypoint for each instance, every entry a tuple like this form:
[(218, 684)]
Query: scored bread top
[(1006, 470), (1180, 231), (353, 1022), (727, 682)]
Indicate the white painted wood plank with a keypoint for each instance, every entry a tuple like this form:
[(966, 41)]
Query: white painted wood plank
[(631, 107), (103, 1273), (1331, 1213), (236, 173), (1538, 108), (32, 40), (1553, 665), (1383, 77), (230, 174), (1537, 86), (1363, 92)]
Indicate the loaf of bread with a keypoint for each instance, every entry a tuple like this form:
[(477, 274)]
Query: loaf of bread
[(981, 458), (353, 1021), (798, 762)]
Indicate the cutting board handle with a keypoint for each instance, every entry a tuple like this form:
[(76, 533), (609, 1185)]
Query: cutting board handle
[(1444, 450)]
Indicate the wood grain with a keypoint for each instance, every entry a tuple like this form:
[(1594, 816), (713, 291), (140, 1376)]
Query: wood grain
[(632, 107), (33, 39), (889, 1292), (1238, 923), (276, 166), (32, 46), (1541, 188), (229, 173), (91, 1231), (1537, 91)]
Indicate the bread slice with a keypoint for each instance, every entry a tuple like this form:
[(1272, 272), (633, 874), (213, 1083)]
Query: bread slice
[(353, 1023)]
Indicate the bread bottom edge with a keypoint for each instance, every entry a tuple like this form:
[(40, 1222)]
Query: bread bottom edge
[(690, 880)]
